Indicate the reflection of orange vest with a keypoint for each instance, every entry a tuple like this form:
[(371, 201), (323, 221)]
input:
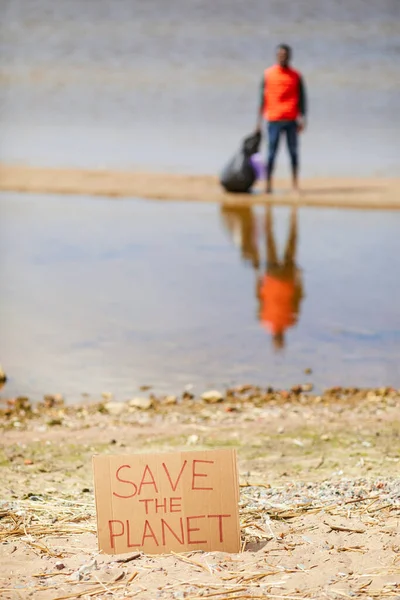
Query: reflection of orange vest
[(281, 94), (277, 297)]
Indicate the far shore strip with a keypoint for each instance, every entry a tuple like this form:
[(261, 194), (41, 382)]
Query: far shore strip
[(363, 193)]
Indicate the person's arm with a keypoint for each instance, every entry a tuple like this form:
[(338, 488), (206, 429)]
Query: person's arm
[(261, 105), (302, 104)]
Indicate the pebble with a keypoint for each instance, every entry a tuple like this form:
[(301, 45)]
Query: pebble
[(84, 570), (51, 400), (212, 396), (298, 493), (115, 408), (192, 440), (307, 387), (141, 403), (170, 400)]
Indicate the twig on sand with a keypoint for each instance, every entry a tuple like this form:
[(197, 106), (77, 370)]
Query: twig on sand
[(340, 528), (222, 593), (129, 558), (91, 592), (190, 561)]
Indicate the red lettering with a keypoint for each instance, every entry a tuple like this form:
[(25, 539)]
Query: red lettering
[(148, 535), (191, 529), (125, 481), (128, 537), (219, 517), (151, 482), (172, 506), (146, 501), (194, 474), (174, 485), (111, 530), (164, 525), (163, 505)]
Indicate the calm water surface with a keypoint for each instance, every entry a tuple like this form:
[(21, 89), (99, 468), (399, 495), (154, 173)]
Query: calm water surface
[(105, 295), (100, 295)]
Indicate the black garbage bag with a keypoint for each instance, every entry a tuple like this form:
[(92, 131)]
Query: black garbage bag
[(239, 175)]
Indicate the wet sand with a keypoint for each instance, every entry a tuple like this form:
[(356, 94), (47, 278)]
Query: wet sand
[(379, 193)]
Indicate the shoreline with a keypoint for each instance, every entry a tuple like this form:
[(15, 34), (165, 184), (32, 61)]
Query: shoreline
[(330, 192)]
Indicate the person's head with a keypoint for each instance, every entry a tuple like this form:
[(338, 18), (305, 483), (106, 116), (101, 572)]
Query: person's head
[(283, 55), (278, 341)]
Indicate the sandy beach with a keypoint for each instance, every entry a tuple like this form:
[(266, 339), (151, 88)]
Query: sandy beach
[(363, 193), (319, 504), (145, 310)]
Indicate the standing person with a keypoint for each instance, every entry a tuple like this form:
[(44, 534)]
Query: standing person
[(280, 289), (283, 106)]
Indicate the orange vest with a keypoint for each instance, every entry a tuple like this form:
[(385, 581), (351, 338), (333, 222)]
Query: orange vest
[(281, 94), (277, 297)]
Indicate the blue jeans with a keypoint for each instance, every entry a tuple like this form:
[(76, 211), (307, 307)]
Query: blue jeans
[(274, 131)]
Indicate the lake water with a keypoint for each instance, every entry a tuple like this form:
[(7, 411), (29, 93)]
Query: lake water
[(101, 295), (174, 85), (105, 295)]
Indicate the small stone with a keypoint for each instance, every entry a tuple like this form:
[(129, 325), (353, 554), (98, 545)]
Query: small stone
[(297, 389), (170, 400), (212, 396), (141, 403), (308, 371), (115, 408), (192, 440), (59, 566), (297, 442), (107, 395), (28, 461), (84, 570), (51, 400), (54, 422), (307, 387), (85, 490)]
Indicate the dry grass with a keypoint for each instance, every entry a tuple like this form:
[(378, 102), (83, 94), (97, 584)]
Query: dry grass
[(334, 539), (36, 523)]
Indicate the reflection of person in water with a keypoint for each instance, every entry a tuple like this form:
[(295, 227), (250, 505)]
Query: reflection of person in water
[(280, 290), (239, 221)]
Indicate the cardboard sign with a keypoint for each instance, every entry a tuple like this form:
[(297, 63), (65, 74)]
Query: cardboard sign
[(161, 502)]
